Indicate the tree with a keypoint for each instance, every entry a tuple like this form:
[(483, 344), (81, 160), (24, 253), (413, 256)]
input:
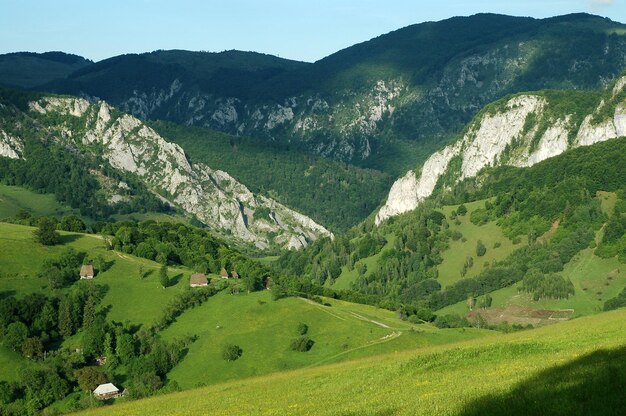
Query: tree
[(231, 352), (32, 348), (125, 347), (302, 344), (461, 210), (163, 278), (15, 335), (480, 248), (46, 232), (89, 312), (89, 378), (66, 325), (302, 328)]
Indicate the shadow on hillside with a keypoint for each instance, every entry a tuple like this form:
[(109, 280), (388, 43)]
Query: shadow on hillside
[(174, 280), (69, 238), (594, 384), (7, 293)]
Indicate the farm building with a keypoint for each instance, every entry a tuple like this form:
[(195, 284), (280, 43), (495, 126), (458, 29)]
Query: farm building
[(86, 271), (224, 274), (198, 279), (106, 391)]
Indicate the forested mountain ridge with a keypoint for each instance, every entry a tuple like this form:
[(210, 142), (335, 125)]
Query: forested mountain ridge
[(384, 103), (127, 146), (519, 130), (28, 69)]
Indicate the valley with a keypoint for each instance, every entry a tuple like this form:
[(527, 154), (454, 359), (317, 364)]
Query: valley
[(432, 221)]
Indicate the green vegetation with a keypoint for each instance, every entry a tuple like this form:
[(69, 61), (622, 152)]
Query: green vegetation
[(332, 193), (526, 371), (15, 200), (28, 69)]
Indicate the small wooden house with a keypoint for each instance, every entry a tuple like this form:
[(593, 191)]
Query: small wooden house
[(234, 274), (86, 271), (224, 274), (198, 279), (106, 391)]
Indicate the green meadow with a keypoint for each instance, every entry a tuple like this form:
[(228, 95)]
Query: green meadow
[(264, 329), (14, 199), (574, 368)]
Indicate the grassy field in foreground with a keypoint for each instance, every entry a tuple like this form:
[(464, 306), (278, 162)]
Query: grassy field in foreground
[(264, 329), (573, 368)]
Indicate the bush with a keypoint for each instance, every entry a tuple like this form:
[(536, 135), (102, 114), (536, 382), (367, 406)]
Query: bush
[(461, 210), (302, 344), (302, 328), (231, 352), (456, 235), (480, 248)]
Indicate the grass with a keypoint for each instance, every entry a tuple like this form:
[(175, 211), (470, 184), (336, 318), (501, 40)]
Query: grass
[(14, 199), (132, 299), (13, 364), (347, 277), (455, 256), (595, 281), (264, 330), (574, 368)]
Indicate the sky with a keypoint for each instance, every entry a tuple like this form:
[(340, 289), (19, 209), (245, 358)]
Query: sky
[(305, 30)]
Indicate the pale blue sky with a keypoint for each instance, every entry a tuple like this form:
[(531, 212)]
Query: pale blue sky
[(296, 29)]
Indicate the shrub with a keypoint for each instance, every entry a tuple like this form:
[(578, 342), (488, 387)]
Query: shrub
[(480, 248), (302, 328), (302, 344), (461, 210), (231, 352), (456, 235)]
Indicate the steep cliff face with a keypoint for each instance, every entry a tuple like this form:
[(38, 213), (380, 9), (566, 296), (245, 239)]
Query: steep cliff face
[(213, 196), (519, 131)]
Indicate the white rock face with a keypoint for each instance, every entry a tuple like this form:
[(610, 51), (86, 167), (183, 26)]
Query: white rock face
[(552, 143), (608, 129), (10, 146), (496, 131), (500, 139), (213, 196)]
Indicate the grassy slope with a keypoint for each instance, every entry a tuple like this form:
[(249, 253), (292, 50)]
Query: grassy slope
[(13, 199), (131, 298), (264, 329), (575, 367), (595, 279), (345, 279), (455, 256)]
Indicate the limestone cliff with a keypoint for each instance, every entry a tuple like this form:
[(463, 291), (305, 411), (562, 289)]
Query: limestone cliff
[(213, 196), (517, 131)]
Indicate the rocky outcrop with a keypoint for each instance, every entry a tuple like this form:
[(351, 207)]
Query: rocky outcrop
[(517, 132), (10, 146), (213, 196)]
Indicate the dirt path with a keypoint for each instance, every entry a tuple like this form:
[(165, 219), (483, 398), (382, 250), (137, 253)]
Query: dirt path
[(381, 340), (363, 318), (323, 308)]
